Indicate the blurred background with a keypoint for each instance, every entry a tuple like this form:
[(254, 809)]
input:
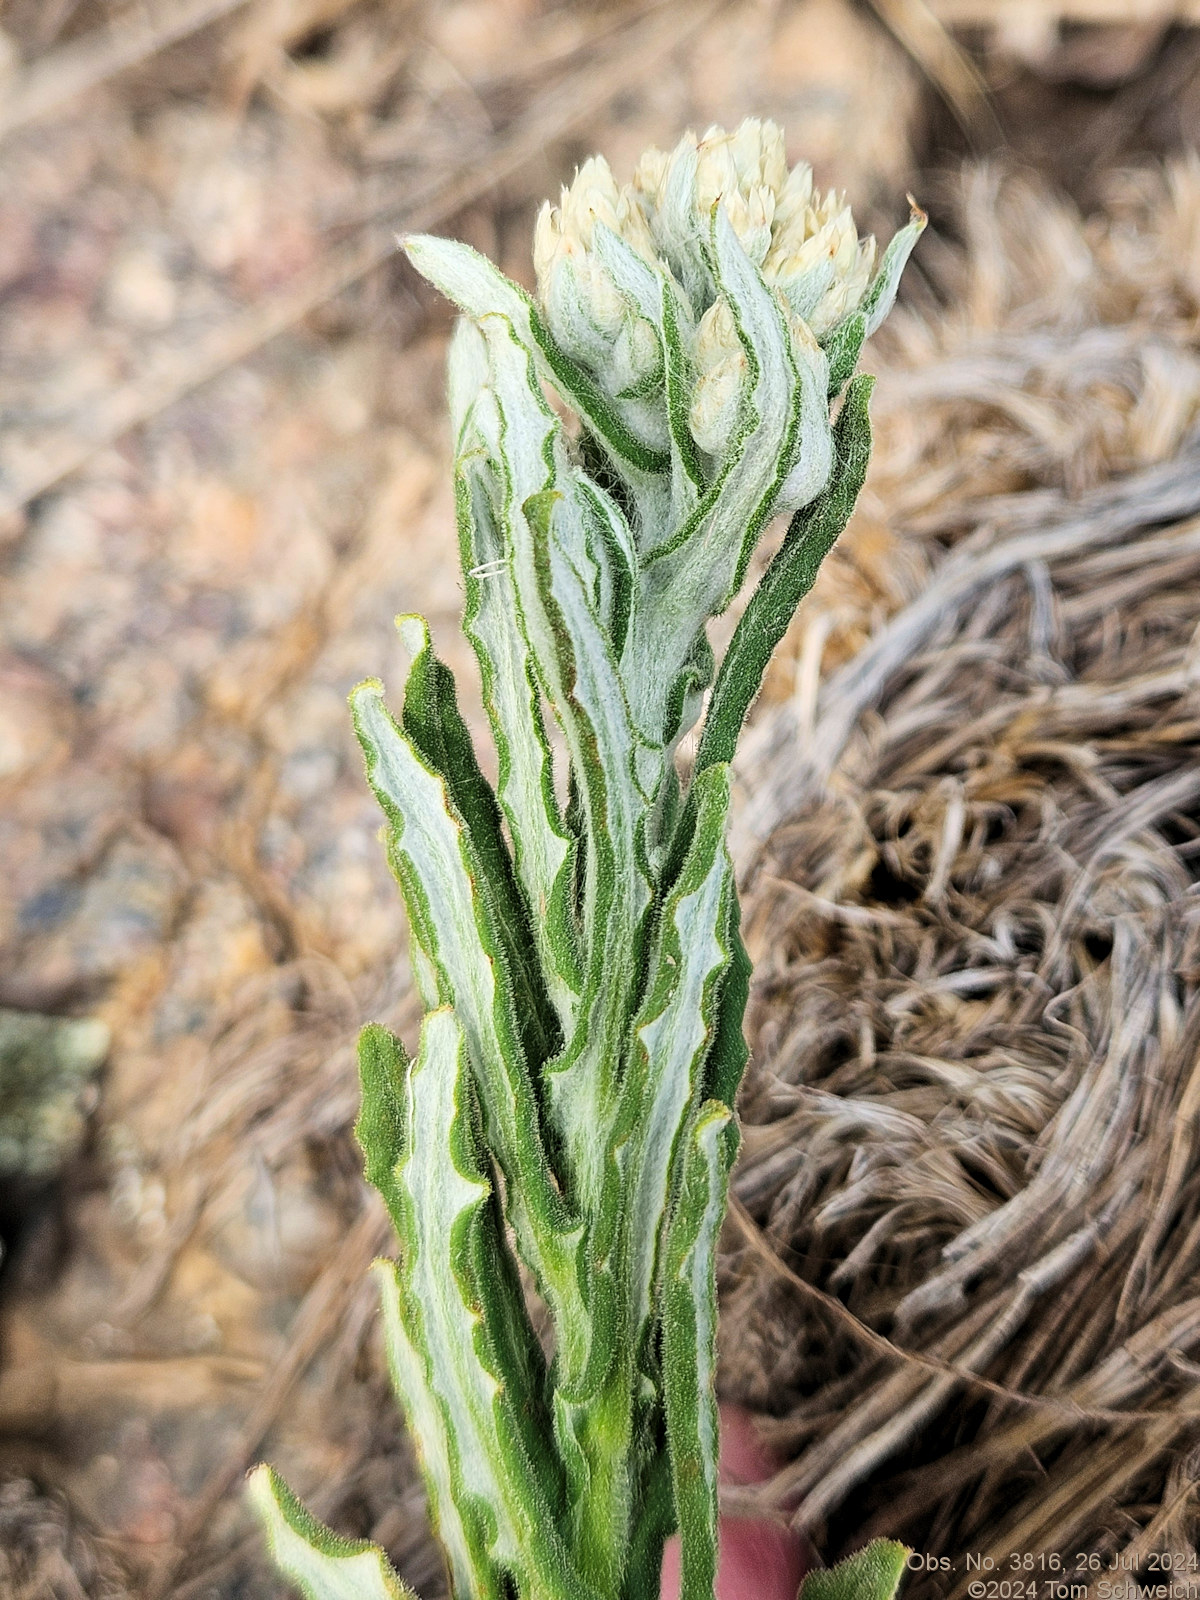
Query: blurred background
[(223, 469)]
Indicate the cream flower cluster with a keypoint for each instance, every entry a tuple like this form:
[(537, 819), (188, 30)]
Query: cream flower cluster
[(804, 244), (589, 314)]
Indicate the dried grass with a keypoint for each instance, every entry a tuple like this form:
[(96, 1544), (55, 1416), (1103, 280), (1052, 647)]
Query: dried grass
[(44, 1552), (971, 1120)]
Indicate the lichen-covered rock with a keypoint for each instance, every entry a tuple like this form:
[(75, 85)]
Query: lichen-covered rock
[(47, 1069)]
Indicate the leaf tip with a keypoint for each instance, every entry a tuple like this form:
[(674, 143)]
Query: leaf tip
[(413, 245), (367, 689), (872, 1573), (414, 633)]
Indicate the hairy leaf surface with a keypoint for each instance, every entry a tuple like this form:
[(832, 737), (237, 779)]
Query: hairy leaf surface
[(322, 1565), (621, 442)]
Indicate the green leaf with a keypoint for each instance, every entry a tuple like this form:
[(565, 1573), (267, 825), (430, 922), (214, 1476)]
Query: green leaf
[(458, 1526), (843, 348), (674, 1031), (653, 1524), (458, 1304), (449, 909), (382, 1073), (881, 296), (384, 1070), (322, 1565), (543, 849), (689, 1320), (730, 1053), (466, 381), (617, 892), (873, 1573), (432, 721), (658, 1095), (791, 574), (687, 470), (470, 280), (554, 576), (454, 920), (784, 432), (615, 558), (477, 288)]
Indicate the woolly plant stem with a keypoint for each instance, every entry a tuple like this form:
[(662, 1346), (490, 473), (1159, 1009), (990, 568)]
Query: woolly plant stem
[(574, 928)]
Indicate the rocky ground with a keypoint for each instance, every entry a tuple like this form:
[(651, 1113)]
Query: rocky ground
[(222, 472)]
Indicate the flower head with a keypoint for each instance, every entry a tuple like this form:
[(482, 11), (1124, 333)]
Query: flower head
[(743, 171), (721, 367), (816, 258), (805, 245), (567, 230), (593, 319), (803, 241)]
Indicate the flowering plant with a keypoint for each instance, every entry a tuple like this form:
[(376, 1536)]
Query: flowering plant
[(575, 928)]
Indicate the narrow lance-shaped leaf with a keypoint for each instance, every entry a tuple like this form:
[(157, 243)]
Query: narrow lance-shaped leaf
[(552, 575), (658, 1094), (843, 348), (881, 296), (687, 471), (689, 1320), (460, 1529), (445, 890), (617, 892), (383, 1074), (614, 556), (654, 1522), (674, 1031), (320, 1564), (873, 1573), (442, 882), (460, 1308), (791, 574), (542, 848), (844, 344), (432, 721), (694, 576), (477, 288), (730, 1053)]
